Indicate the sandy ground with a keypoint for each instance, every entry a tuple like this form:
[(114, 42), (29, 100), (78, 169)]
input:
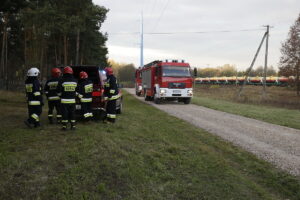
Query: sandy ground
[(273, 143)]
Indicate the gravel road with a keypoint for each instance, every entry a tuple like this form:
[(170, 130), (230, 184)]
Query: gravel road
[(273, 143)]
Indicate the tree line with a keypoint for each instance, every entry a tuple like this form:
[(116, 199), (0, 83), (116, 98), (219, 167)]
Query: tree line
[(124, 72), (50, 33)]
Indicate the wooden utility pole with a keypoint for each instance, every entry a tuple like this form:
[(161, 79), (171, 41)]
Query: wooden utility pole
[(266, 62), (252, 64)]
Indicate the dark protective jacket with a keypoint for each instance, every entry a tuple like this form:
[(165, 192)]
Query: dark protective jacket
[(67, 89), (51, 89), (33, 91), (85, 89), (111, 91)]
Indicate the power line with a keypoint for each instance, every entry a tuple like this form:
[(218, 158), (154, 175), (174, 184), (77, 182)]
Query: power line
[(203, 32), (153, 8), (162, 13), (188, 32)]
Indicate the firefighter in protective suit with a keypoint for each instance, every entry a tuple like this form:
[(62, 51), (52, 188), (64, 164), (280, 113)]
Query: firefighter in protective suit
[(111, 94), (51, 91), (67, 88), (85, 89), (34, 98)]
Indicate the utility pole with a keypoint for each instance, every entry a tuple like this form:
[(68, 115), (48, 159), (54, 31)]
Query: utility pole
[(142, 43), (266, 62), (251, 66)]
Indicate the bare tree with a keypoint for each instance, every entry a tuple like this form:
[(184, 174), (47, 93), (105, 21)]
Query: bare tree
[(290, 50)]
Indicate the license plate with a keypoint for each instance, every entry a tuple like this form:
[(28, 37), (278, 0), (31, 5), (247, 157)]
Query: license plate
[(176, 92), (78, 107)]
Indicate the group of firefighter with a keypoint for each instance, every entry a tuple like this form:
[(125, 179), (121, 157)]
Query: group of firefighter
[(61, 92)]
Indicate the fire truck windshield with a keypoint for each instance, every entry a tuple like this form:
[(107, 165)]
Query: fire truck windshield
[(176, 71)]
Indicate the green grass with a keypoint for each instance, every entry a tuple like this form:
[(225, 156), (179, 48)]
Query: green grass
[(280, 116), (147, 154)]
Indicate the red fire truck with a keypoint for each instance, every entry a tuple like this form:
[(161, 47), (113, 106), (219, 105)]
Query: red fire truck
[(167, 80), (138, 82)]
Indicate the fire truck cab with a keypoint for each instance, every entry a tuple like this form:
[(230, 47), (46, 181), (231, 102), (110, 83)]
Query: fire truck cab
[(167, 80)]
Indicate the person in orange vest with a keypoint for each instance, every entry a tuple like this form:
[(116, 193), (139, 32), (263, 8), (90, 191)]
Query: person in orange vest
[(111, 94), (51, 91), (85, 89)]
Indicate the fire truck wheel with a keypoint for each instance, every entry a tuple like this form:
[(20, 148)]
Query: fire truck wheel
[(137, 93), (187, 101), (147, 98), (157, 100)]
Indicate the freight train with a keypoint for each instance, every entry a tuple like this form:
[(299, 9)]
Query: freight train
[(270, 81)]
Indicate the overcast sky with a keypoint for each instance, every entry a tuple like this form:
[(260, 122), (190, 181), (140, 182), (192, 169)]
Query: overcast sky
[(200, 50)]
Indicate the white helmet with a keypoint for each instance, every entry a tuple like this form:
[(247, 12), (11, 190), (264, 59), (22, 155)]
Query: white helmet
[(33, 72)]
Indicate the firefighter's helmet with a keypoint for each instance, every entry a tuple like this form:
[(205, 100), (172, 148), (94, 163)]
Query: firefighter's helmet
[(55, 72), (33, 72), (109, 70), (68, 70), (83, 75)]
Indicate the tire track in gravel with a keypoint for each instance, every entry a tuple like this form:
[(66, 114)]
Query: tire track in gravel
[(276, 144)]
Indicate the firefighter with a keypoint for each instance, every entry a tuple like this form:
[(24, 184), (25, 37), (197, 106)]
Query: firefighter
[(67, 88), (34, 98), (111, 94), (85, 89), (51, 91)]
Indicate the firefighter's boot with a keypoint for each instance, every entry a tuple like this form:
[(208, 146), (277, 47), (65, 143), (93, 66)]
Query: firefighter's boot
[(37, 124), (58, 119), (28, 124), (64, 125), (73, 127)]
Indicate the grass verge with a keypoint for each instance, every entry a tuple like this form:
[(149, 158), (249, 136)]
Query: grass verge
[(147, 154), (280, 116)]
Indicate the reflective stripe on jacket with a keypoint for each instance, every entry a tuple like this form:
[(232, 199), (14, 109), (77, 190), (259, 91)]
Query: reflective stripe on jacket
[(67, 100), (34, 103), (86, 100), (53, 98)]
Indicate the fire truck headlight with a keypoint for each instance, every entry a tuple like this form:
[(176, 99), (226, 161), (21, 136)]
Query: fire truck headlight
[(162, 91), (190, 92)]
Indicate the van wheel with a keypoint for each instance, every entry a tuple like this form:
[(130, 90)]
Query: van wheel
[(119, 110), (99, 115)]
